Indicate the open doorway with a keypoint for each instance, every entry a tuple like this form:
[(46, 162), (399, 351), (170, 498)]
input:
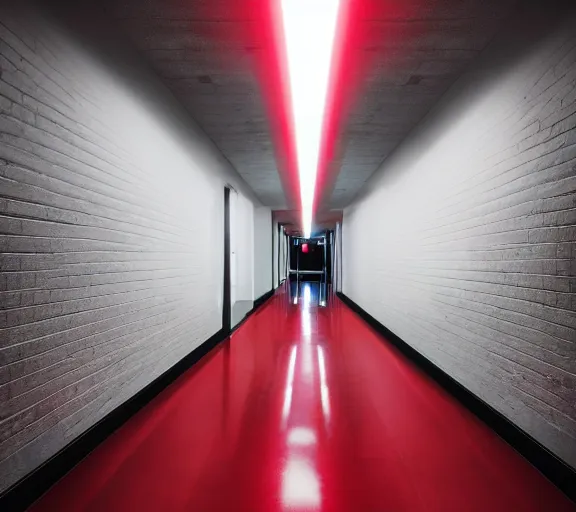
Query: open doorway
[(310, 263)]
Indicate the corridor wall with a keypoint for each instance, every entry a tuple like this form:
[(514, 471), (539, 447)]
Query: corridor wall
[(112, 227), (464, 242)]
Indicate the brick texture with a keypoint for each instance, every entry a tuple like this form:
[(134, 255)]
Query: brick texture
[(111, 237), (464, 243)]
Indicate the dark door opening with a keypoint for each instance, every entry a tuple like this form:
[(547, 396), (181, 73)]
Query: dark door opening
[(313, 260), (311, 263)]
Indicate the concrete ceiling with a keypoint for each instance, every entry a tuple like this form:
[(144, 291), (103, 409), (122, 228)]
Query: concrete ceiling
[(210, 53), (402, 57), (408, 53)]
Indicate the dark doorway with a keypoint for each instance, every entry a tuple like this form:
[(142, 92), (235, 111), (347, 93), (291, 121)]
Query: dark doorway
[(316, 257), (226, 305), (311, 267)]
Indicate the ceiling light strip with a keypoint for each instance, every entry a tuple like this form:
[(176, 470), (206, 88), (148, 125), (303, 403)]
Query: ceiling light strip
[(309, 33)]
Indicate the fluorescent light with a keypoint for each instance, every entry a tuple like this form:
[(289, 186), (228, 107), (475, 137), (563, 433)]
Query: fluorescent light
[(309, 31)]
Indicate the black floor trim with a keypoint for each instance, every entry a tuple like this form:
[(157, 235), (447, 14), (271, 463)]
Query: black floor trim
[(557, 471), (22, 494), (262, 299), (256, 304), (26, 491)]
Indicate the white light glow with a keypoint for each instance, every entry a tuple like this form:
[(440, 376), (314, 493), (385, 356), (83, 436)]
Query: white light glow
[(324, 397), (309, 32), (306, 319), (307, 296), (289, 384), (301, 436), (300, 484)]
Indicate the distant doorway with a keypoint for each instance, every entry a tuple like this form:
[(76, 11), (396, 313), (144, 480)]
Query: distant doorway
[(311, 263)]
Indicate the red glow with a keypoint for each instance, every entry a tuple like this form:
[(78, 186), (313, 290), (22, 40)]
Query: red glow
[(346, 75), (263, 36), (304, 248), (259, 39), (272, 74), (309, 35)]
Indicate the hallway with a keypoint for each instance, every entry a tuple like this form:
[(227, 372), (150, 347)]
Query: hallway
[(304, 408)]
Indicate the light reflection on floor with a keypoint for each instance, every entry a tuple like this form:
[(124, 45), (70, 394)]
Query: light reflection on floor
[(306, 410), (309, 293)]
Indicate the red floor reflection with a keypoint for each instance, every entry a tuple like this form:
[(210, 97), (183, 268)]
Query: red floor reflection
[(304, 409)]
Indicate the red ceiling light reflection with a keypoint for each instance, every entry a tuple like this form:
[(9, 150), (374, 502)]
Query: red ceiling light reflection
[(309, 30)]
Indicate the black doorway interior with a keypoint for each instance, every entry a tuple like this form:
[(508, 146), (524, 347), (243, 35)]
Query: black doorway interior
[(311, 268), (318, 255)]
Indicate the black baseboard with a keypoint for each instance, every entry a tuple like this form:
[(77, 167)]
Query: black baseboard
[(26, 491), (557, 471), (262, 299), (255, 305)]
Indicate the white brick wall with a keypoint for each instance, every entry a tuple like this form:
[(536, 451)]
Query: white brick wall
[(111, 237), (464, 243)]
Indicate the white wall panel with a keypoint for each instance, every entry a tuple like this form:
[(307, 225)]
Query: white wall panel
[(262, 251)]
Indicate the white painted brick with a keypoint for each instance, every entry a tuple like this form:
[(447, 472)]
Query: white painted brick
[(111, 237), (463, 243)]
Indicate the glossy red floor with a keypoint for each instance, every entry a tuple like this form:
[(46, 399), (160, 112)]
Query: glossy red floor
[(304, 409)]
